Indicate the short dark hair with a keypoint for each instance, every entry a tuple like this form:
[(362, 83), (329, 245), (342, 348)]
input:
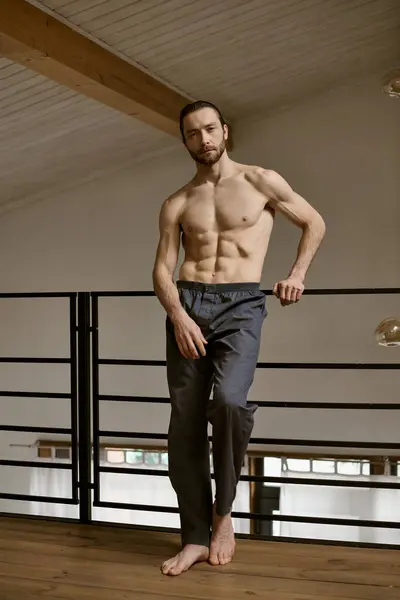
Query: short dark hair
[(193, 107)]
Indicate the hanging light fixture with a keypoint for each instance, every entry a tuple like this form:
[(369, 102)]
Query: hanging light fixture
[(388, 332), (391, 83)]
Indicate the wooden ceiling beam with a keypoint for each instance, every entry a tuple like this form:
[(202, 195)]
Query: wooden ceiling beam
[(44, 44)]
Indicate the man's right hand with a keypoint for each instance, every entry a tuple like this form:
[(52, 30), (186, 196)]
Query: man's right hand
[(189, 337)]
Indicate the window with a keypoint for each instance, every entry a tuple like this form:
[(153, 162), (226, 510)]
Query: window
[(115, 457), (275, 467), (146, 458), (324, 466), (54, 452), (272, 468), (134, 457), (62, 453), (353, 467), (297, 464)]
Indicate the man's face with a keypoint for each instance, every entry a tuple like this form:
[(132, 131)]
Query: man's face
[(205, 138)]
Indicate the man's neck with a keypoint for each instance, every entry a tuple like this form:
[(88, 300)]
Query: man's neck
[(225, 167)]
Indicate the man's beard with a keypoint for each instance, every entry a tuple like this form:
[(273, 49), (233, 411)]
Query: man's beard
[(210, 158)]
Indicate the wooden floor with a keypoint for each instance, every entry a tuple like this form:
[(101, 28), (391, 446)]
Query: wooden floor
[(48, 560)]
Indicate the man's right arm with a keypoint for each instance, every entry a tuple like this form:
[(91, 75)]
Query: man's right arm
[(167, 258), (188, 334)]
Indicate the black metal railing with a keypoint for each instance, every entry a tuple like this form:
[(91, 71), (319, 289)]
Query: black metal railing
[(98, 433), (86, 431), (71, 431)]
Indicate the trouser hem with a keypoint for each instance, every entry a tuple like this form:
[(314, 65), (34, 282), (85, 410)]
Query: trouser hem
[(197, 541), (223, 511)]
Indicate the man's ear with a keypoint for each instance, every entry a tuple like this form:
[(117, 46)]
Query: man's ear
[(228, 137)]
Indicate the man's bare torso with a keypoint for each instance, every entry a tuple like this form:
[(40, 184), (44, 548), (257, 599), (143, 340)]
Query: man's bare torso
[(225, 228)]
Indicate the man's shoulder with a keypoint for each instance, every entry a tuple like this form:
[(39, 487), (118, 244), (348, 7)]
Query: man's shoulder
[(255, 173), (261, 178), (177, 199)]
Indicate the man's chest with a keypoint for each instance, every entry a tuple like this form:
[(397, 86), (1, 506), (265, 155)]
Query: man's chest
[(222, 208)]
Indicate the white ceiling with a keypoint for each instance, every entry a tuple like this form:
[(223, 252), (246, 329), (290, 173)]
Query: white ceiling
[(54, 139), (248, 57)]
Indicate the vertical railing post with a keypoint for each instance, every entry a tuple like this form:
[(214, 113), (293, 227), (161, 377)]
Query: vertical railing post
[(96, 400), (74, 395), (84, 409)]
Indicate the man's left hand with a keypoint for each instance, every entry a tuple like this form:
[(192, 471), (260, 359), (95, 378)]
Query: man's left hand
[(289, 291)]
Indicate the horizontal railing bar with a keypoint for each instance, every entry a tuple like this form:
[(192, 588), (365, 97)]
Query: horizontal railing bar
[(346, 291), (14, 394), (332, 405), (34, 360), (384, 485), (249, 536), (132, 471), (144, 399), (35, 464), (329, 366), (132, 434), (23, 428), (266, 403), (132, 362), (47, 499), (332, 443), (307, 292), (123, 294), (38, 295), (266, 441), (147, 293), (264, 365), (320, 520), (257, 516)]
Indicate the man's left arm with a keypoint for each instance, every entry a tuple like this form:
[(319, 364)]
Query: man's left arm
[(283, 199)]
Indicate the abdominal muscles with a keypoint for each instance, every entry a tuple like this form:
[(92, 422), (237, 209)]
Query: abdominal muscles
[(224, 257)]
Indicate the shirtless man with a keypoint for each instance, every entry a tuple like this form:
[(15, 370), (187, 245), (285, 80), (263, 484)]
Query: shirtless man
[(215, 312)]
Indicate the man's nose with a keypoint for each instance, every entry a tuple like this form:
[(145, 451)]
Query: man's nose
[(205, 138)]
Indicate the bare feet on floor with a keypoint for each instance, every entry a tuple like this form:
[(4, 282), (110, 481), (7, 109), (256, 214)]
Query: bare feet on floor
[(223, 544), (190, 555)]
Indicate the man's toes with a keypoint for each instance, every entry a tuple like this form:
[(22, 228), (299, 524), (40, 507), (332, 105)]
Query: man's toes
[(166, 567), (214, 560), (170, 570), (177, 569)]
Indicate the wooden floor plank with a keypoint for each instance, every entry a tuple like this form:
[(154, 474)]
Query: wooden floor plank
[(53, 561), (314, 569), (146, 578), (16, 590), (127, 554), (97, 535)]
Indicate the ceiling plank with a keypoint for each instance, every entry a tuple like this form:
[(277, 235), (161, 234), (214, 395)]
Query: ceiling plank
[(40, 42)]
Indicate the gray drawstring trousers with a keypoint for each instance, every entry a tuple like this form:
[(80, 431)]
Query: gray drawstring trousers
[(231, 318)]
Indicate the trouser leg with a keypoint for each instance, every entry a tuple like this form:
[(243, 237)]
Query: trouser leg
[(189, 384), (235, 355)]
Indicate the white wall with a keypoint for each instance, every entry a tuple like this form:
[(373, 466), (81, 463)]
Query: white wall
[(342, 153), (340, 503)]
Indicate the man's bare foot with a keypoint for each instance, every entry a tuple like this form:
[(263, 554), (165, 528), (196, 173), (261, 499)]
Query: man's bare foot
[(223, 543), (190, 555)]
